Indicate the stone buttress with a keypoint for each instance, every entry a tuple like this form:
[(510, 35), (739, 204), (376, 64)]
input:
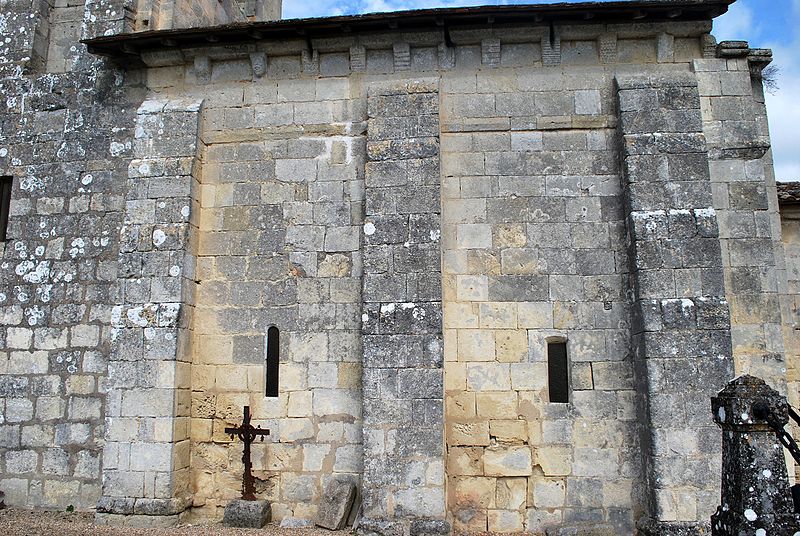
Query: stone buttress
[(146, 454), (402, 322), (681, 329)]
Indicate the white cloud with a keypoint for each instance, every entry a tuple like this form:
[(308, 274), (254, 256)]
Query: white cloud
[(740, 22), (736, 24), (783, 109)]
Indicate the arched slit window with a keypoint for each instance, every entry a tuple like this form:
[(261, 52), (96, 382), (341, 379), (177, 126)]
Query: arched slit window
[(273, 359), (558, 372), (5, 206)]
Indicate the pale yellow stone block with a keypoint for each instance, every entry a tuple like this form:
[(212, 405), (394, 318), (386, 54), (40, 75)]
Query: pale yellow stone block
[(476, 345), (528, 376), (508, 430), (461, 315), (468, 433), (449, 292), (511, 346), (296, 429), (512, 493), (349, 375), (505, 521), (80, 385), (550, 493), (474, 491), (231, 378), (300, 404), (496, 405), (314, 457), (582, 376), (27, 362), (510, 235), (472, 288), (489, 376), (686, 505), (460, 405), (218, 434), (183, 375), (554, 460), (498, 315), (455, 376), (201, 430), (281, 457), (529, 404), (507, 461), (480, 261), (565, 315), (305, 510), (166, 374), (208, 195), (293, 376), (534, 433), (163, 430), (535, 315), (212, 349), (256, 379), (229, 406), (269, 408), (450, 345), (454, 262), (465, 461), (666, 505)]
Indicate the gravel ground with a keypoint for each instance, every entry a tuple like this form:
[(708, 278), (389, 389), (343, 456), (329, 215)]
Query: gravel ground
[(16, 522)]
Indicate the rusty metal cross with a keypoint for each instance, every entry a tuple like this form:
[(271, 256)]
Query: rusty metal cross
[(247, 433)]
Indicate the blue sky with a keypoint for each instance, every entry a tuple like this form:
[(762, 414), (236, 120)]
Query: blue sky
[(764, 23)]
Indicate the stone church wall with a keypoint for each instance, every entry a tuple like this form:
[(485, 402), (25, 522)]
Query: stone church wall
[(66, 141), (534, 249), (419, 221)]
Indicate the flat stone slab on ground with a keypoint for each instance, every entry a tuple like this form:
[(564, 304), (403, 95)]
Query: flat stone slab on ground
[(296, 523), (335, 505), (247, 514)]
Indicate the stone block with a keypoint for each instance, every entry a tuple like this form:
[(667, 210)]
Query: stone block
[(335, 504), (554, 460), (512, 493), (247, 514), (488, 377), (463, 461), (507, 461), (505, 521), (496, 405), (468, 433), (508, 430)]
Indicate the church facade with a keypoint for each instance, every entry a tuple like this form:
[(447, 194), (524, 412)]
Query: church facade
[(490, 264)]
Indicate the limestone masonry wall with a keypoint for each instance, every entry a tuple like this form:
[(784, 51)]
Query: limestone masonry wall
[(534, 249), (66, 141), (419, 219)]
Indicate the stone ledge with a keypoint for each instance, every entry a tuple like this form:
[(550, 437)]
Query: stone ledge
[(136, 521), (651, 527)]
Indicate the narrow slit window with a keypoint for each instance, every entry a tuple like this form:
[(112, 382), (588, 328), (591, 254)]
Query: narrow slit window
[(558, 372), (5, 206), (273, 358)]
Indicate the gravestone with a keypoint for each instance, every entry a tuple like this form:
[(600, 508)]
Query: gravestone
[(755, 486), (334, 508)]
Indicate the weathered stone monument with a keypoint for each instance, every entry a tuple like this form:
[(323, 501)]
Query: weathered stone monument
[(756, 498), (488, 264)]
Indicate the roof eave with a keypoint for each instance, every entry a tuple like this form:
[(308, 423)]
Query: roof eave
[(131, 44)]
